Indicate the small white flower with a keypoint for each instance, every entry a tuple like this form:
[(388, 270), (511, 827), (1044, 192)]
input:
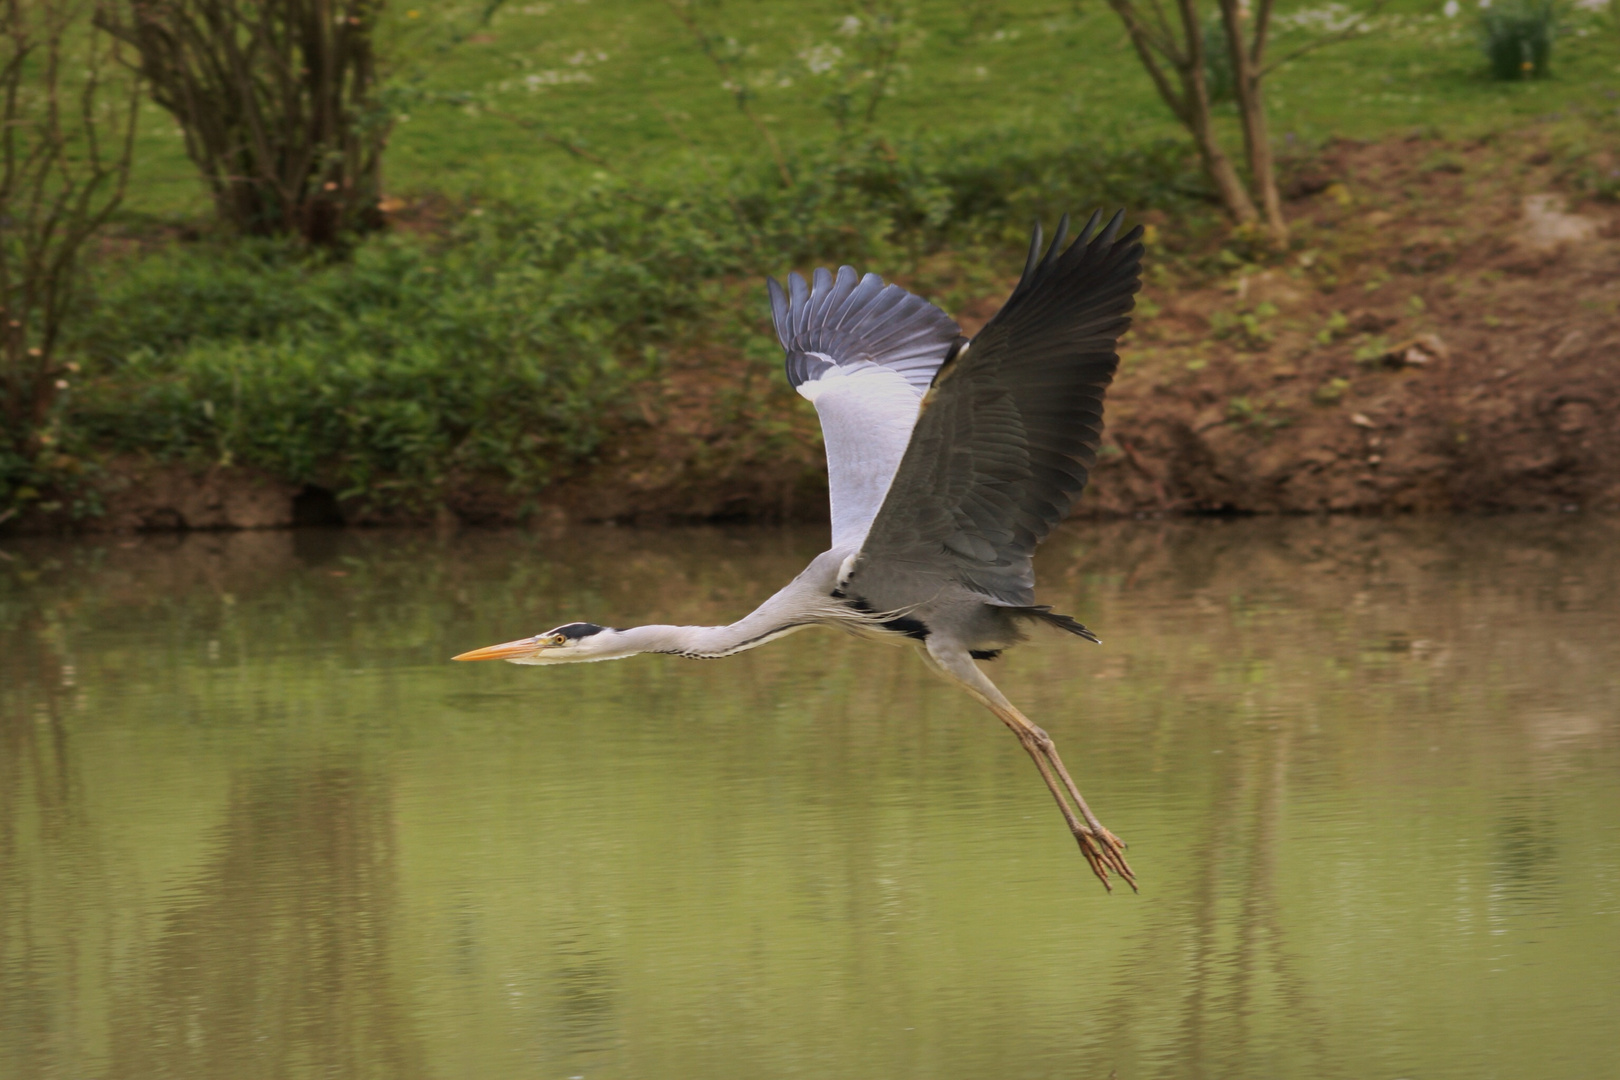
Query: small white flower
[(821, 59), (1452, 8), (555, 78), (1329, 18), (850, 26)]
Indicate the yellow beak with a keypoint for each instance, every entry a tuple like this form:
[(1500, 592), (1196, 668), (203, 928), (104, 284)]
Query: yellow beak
[(511, 650)]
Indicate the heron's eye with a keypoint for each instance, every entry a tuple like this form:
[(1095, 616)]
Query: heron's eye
[(557, 639)]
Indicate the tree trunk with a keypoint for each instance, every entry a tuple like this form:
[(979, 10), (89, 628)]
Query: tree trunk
[(1188, 99), (278, 102), (66, 144), (1228, 183), (1197, 118), (1248, 51)]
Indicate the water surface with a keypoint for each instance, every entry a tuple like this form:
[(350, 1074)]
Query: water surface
[(253, 823)]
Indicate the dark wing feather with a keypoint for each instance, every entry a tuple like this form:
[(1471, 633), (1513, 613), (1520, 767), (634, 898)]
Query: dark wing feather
[(1009, 430), (851, 320)]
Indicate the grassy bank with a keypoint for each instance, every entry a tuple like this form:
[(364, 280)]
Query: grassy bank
[(523, 308), (625, 80), (501, 341)]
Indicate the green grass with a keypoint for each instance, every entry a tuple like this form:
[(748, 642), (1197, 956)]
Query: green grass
[(503, 349), (506, 347), (507, 340), (1034, 71)]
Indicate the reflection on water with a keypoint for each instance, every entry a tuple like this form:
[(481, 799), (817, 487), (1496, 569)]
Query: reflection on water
[(252, 823), (274, 960)]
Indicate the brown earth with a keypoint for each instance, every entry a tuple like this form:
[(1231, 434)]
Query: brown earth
[(1450, 340), (1445, 335)]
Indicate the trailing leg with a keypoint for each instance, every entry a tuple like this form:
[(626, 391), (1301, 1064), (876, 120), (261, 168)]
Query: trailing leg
[(1104, 851)]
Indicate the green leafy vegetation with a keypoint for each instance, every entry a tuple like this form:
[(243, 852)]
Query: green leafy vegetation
[(1517, 36), (507, 344), (611, 74), (1261, 417), (1372, 350), (1331, 392), (1247, 328), (577, 191)]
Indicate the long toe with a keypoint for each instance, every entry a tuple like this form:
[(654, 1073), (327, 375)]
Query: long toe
[(1106, 852)]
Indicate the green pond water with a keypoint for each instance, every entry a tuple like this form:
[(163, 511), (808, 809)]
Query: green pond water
[(254, 824)]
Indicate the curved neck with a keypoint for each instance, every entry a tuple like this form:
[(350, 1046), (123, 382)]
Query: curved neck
[(699, 642), (800, 603)]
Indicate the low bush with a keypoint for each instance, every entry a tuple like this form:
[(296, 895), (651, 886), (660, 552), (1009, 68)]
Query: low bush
[(508, 343), (501, 348)]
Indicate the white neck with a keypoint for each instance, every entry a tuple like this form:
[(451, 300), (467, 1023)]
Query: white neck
[(695, 642), (802, 602)]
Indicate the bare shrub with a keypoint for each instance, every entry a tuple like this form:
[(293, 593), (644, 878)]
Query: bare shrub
[(279, 103), (1176, 45), (67, 125)]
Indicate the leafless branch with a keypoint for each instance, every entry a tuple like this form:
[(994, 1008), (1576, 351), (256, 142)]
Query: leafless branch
[(63, 171), (1354, 30), (1148, 53), (278, 102), (736, 210), (539, 131), (1172, 50), (732, 80)]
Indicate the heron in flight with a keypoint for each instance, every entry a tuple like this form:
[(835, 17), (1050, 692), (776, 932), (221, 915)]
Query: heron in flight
[(948, 461)]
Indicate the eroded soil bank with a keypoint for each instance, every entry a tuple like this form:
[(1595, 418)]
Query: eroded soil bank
[(1448, 338)]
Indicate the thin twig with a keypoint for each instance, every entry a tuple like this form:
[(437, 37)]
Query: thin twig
[(1148, 52), (65, 170), (736, 86), (277, 102), (703, 163), (534, 128), (1332, 39), (634, 190)]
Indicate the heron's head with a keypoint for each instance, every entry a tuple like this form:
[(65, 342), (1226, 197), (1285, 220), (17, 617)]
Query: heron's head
[(570, 643)]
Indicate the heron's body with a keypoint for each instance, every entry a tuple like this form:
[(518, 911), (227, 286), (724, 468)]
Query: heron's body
[(948, 461)]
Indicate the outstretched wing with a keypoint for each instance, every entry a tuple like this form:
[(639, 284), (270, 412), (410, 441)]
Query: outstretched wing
[(1008, 431), (864, 353)]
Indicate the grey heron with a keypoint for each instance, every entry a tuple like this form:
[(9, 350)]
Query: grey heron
[(948, 461)]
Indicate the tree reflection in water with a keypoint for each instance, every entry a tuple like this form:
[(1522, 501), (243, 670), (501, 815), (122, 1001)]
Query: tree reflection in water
[(253, 825), (274, 961), (49, 859)]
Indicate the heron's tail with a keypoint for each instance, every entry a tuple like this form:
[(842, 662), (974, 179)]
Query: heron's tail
[(1043, 613)]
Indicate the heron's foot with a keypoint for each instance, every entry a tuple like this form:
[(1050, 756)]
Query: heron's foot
[(1105, 853)]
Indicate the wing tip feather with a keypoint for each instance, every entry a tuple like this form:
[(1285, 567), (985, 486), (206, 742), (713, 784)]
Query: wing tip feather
[(851, 317)]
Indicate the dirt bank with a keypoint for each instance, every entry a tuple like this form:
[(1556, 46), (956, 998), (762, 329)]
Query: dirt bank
[(1451, 340), (1447, 337)]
